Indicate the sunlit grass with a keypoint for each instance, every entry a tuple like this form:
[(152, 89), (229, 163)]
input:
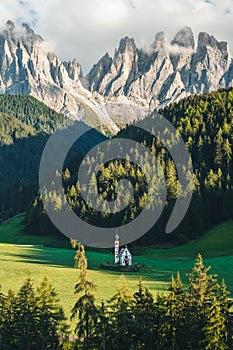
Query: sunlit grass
[(17, 262)]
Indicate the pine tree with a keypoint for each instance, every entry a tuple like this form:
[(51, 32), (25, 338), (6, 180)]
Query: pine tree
[(27, 317), (194, 308), (172, 183), (205, 320), (214, 330), (101, 331), (8, 321), (51, 316), (122, 322), (144, 314), (226, 305), (172, 325), (84, 310)]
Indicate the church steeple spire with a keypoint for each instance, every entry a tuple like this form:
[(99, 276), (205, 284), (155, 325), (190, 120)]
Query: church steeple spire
[(117, 247)]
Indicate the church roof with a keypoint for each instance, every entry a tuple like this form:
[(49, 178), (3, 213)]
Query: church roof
[(123, 250)]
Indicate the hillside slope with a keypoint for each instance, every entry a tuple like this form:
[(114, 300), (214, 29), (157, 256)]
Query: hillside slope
[(217, 242), (18, 261), (25, 126)]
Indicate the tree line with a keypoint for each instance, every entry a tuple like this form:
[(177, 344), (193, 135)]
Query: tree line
[(193, 316), (205, 123), (196, 315), (25, 126), (31, 319)]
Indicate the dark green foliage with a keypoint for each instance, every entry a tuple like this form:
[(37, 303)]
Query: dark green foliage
[(193, 316), (206, 126), (84, 309), (31, 320), (144, 311), (25, 126), (23, 116), (196, 316), (51, 320), (121, 319)]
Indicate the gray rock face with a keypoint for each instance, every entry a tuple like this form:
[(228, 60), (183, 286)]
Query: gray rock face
[(184, 38), (167, 72), (118, 89), (27, 66)]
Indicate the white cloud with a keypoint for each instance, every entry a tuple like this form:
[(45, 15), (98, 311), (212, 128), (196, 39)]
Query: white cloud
[(86, 29)]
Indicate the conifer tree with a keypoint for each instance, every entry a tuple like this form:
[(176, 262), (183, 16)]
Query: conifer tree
[(226, 306), (84, 310), (144, 314), (51, 316), (172, 326), (8, 321), (122, 322), (214, 330), (27, 317)]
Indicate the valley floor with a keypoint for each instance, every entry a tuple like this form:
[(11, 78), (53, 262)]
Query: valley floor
[(27, 257)]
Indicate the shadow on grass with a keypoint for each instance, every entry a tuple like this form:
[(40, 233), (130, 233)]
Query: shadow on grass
[(45, 256)]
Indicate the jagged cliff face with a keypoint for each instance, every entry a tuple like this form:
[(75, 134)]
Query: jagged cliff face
[(117, 90), (167, 72), (27, 66)]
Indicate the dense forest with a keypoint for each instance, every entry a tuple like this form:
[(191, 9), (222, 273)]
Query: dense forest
[(195, 316), (205, 123), (25, 125)]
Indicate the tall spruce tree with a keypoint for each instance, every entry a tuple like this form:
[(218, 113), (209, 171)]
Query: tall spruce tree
[(51, 316), (122, 321), (172, 321), (144, 314), (84, 310)]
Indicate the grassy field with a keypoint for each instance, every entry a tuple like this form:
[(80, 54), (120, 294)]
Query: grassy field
[(24, 256)]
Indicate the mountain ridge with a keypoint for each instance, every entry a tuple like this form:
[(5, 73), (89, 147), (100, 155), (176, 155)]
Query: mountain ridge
[(167, 72), (118, 89)]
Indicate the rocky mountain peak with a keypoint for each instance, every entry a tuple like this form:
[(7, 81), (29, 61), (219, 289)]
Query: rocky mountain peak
[(164, 73), (74, 69), (24, 35), (10, 25), (184, 38), (124, 60), (9, 31), (127, 44), (130, 84), (159, 41), (30, 34), (209, 41), (206, 40)]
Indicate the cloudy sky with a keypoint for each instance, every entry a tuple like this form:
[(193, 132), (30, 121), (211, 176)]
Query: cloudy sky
[(86, 29)]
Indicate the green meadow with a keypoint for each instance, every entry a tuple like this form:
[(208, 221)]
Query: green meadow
[(23, 256)]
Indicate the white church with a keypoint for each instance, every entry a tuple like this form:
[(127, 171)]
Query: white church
[(123, 255)]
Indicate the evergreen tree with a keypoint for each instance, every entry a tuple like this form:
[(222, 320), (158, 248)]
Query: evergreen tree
[(122, 320), (9, 330), (172, 326), (203, 309), (51, 316), (27, 317), (144, 314), (84, 310)]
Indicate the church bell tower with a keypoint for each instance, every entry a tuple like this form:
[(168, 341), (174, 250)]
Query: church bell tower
[(117, 248)]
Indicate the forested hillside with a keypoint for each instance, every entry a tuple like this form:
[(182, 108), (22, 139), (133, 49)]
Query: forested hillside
[(206, 125), (25, 125)]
